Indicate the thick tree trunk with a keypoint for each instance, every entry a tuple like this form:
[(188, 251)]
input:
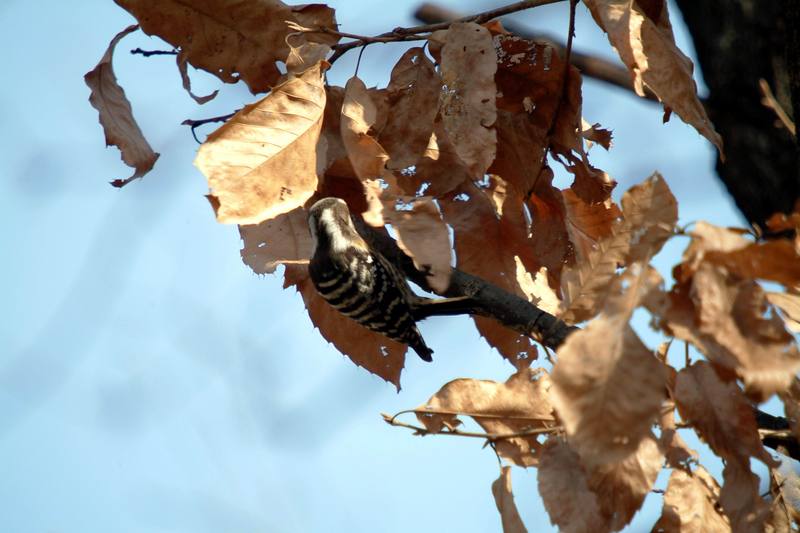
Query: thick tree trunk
[(792, 51), (739, 42)]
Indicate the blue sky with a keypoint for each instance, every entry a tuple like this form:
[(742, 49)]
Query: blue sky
[(150, 382)]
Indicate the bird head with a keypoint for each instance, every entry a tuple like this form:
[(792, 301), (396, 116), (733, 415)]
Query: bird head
[(330, 224)]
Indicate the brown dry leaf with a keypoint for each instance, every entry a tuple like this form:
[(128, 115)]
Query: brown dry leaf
[(183, 68), (783, 222), (675, 450), (331, 153), (719, 413), (549, 236), (232, 39), (740, 498), (486, 245), (359, 113), (724, 319), (116, 116), (520, 150), (284, 239), (707, 238), (376, 353), (775, 260), (263, 161), (531, 91), (467, 105), (504, 499), (588, 223), (591, 184), (520, 404), (651, 213), (304, 56), (690, 504), (789, 304), (530, 84), (646, 45), (607, 388), (594, 133), (586, 285), (423, 236), (439, 171), (621, 487), (785, 491), (413, 98), (563, 486), (730, 315), (537, 289)]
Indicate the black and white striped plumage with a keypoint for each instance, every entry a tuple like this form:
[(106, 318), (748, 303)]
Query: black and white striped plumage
[(357, 281)]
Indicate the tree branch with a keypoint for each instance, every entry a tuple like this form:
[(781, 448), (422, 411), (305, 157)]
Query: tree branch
[(771, 102), (589, 65), (478, 297), (417, 33), (148, 53), (196, 123)]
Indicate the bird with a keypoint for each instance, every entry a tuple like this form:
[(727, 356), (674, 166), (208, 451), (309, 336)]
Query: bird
[(357, 280)]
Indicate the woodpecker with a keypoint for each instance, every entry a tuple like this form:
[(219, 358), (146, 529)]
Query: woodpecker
[(358, 281)]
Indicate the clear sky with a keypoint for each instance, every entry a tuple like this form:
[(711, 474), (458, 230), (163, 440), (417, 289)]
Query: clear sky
[(150, 382)]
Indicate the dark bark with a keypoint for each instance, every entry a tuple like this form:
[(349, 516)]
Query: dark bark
[(792, 54), (739, 42)]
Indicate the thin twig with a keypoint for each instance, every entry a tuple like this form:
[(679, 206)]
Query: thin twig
[(465, 413), (771, 102), (194, 124), (567, 66), (148, 53), (418, 33), (491, 437)]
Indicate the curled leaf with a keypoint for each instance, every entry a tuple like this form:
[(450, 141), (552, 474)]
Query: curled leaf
[(116, 115), (520, 404), (645, 43), (187, 81), (359, 114)]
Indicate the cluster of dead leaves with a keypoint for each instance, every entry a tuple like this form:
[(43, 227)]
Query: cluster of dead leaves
[(462, 140), (608, 390)]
